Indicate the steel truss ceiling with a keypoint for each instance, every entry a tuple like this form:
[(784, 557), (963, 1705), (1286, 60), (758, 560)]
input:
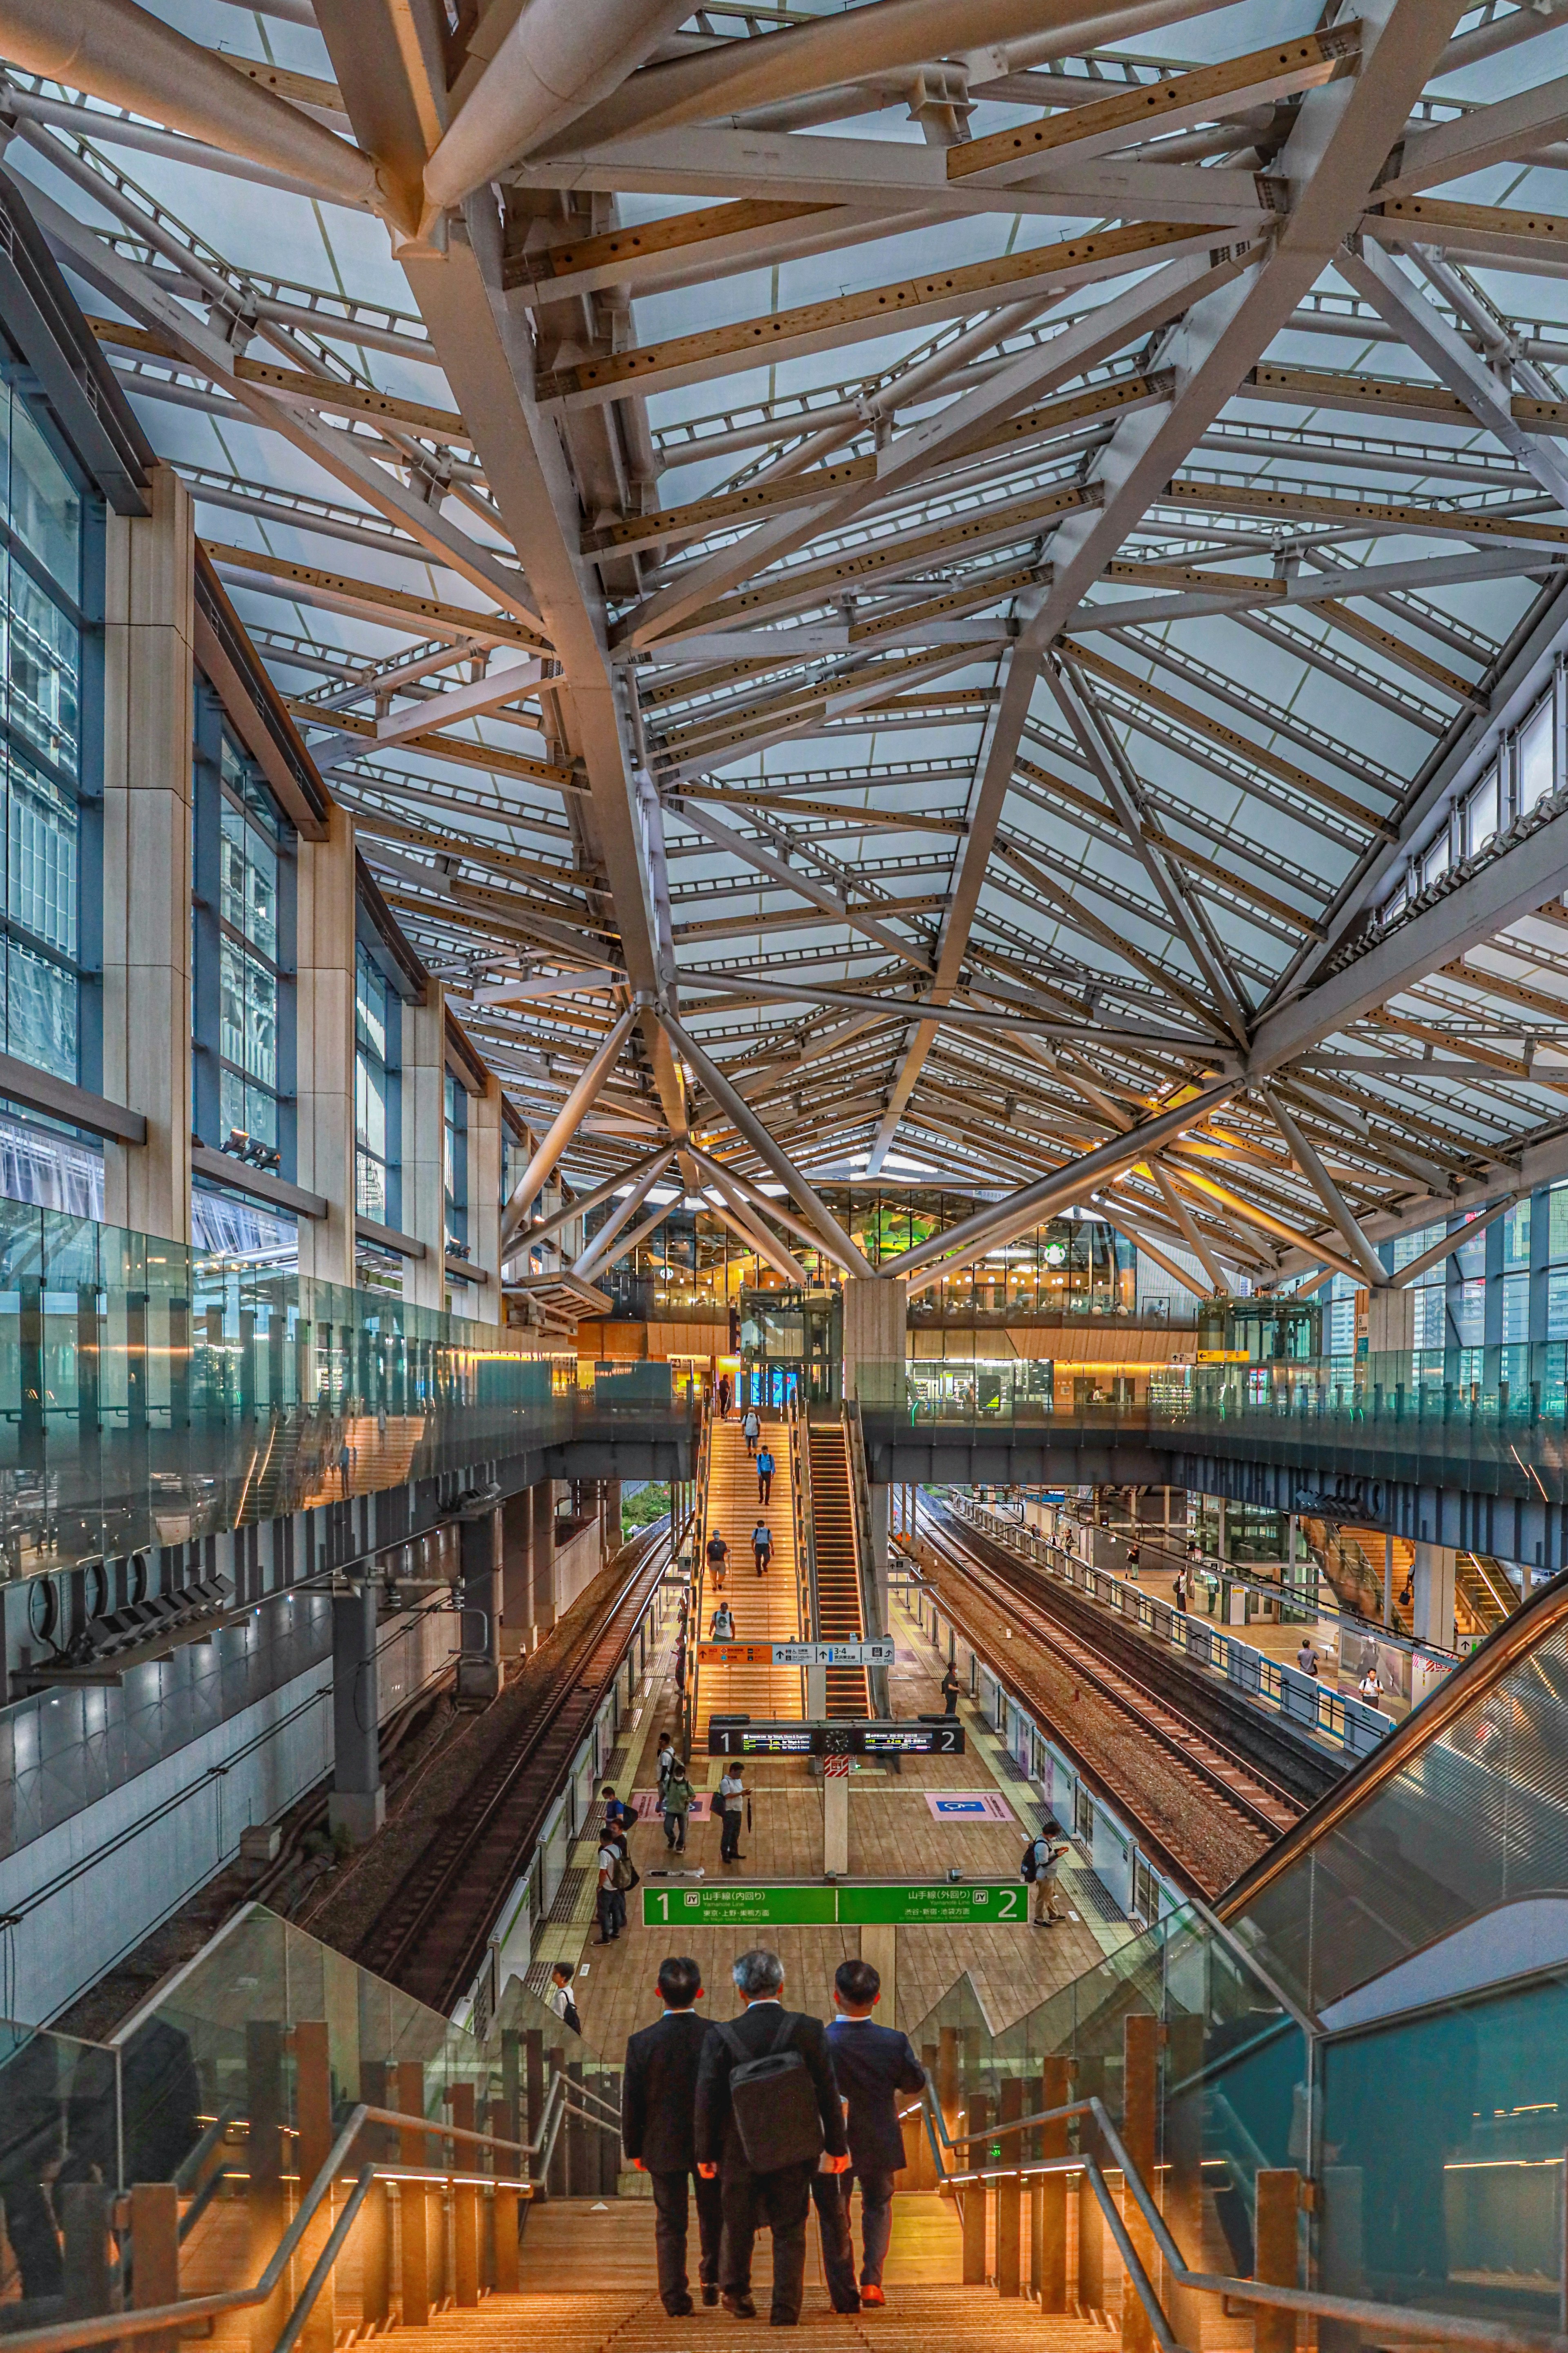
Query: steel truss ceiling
[(955, 563)]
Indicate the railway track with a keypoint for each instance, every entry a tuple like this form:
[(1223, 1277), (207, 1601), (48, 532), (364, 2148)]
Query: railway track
[(430, 1936), (1210, 1766)]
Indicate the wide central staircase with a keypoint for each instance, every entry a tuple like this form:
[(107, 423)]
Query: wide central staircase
[(764, 1609)]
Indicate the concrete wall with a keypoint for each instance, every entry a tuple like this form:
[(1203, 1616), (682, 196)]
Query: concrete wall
[(88, 1891)]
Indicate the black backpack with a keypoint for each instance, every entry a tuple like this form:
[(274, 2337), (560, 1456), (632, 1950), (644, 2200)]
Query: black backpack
[(1031, 1862), (773, 2102)]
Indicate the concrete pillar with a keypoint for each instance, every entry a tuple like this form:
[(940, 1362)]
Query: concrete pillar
[(357, 1804), (1390, 1322), (149, 629), (835, 1824), (324, 1047), (880, 1493), (424, 1211), (517, 1572), (479, 1666), (1433, 1594), (876, 1340), (544, 1555), (612, 1516), (484, 1200)]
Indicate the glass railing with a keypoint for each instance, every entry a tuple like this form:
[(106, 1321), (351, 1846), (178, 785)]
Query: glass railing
[(228, 2099), (1198, 2062), (1391, 1414), (150, 1393)]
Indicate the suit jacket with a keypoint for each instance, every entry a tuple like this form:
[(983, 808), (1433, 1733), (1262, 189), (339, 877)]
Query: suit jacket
[(755, 2029), (873, 2064), (659, 2089)]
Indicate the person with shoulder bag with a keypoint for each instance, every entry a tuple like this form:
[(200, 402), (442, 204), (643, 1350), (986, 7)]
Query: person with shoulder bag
[(768, 2114)]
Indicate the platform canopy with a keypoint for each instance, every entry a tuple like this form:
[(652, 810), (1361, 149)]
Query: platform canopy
[(983, 568)]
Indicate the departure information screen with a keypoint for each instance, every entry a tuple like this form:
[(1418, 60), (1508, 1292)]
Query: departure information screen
[(835, 1739)]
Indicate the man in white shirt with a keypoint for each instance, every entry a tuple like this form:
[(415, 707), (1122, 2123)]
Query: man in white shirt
[(732, 1805)]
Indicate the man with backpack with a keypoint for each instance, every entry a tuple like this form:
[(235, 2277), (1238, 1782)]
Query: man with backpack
[(618, 1874), (1041, 1868), (765, 1468), (763, 1547), (768, 2114)]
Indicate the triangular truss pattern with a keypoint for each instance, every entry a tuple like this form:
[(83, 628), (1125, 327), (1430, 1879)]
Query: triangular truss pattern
[(983, 594)]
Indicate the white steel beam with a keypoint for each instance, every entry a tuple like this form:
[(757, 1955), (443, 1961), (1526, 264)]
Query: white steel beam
[(1510, 884), (1424, 329), (564, 1126), (746, 1124)]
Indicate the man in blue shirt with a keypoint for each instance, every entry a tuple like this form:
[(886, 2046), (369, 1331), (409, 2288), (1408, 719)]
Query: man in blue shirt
[(873, 2064)]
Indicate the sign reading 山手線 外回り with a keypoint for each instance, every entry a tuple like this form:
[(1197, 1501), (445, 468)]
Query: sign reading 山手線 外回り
[(937, 1904)]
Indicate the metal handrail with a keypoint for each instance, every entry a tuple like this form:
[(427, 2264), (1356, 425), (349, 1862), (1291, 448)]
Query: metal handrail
[(871, 1621), (1391, 2319), (699, 1578), (69, 2336), (804, 1528)]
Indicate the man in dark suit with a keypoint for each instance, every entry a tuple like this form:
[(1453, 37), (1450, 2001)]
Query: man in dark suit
[(659, 2091), (781, 2199), (872, 2064)]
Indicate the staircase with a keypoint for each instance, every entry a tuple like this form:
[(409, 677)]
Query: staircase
[(838, 1612), (1352, 1563), (764, 1609)]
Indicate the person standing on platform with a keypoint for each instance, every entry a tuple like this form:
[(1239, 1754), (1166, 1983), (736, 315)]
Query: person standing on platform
[(951, 1687), (872, 2064), (765, 1468), (678, 1797), (751, 1427), (609, 1903), (1179, 1593), (1041, 1871), (659, 2096), (665, 1759), (763, 1547), (762, 2139), (733, 1804)]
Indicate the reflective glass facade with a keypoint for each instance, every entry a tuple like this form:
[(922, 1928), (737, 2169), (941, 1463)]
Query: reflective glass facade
[(50, 585)]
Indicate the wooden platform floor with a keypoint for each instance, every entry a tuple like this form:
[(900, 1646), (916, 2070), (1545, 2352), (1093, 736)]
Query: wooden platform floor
[(892, 1831)]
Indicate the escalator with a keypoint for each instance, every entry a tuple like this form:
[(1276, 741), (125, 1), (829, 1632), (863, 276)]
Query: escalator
[(838, 1611), (1379, 2006)]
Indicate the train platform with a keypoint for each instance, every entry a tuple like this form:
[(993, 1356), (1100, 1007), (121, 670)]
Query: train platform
[(896, 1831)]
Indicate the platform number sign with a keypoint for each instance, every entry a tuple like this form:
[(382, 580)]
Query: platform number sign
[(910, 1904)]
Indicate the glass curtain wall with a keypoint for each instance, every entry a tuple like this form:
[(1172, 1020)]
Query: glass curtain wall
[(51, 538)]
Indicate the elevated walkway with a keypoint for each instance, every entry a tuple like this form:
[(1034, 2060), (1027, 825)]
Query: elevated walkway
[(764, 1609)]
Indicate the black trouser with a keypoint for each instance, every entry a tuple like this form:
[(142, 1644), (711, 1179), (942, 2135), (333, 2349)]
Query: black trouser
[(837, 2252), (876, 2219), (782, 2200), (730, 1844), (671, 2210), (764, 1486)]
